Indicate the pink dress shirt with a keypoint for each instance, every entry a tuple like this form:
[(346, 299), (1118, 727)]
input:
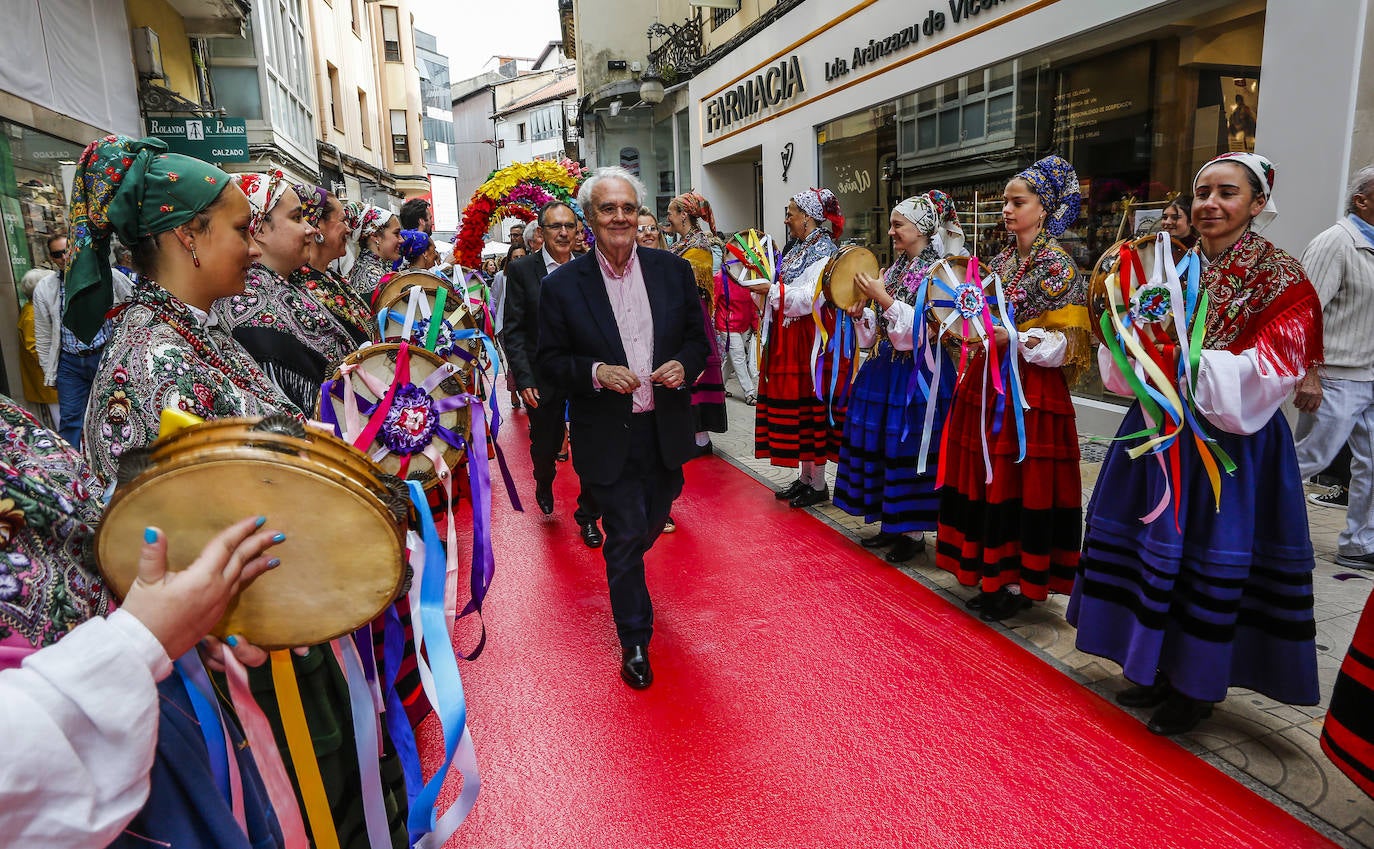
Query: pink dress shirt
[(630, 306)]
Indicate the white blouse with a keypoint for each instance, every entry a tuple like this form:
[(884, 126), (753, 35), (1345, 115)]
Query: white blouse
[(79, 719)]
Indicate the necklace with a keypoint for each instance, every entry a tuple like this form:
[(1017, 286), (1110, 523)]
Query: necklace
[(165, 310)]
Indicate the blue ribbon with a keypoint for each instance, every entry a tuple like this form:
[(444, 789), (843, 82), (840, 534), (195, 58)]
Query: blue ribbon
[(192, 674), (448, 684)]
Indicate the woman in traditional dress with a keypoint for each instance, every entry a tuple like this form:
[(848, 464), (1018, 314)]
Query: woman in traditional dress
[(189, 226), (691, 214), (792, 426), (100, 745), (877, 477), (1017, 536), (293, 337), (323, 211), (378, 234), (1223, 598), (99, 719), (417, 251), (1348, 733)]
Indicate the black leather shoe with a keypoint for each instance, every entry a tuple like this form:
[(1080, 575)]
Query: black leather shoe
[(1003, 605), (543, 496), (708, 448), (591, 535), (905, 549), (810, 497), (1178, 715), (634, 667), (977, 602), (882, 539), (790, 491), (1143, 696)]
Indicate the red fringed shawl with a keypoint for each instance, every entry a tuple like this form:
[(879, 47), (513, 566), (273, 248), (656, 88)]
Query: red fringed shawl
[(1261, 298)]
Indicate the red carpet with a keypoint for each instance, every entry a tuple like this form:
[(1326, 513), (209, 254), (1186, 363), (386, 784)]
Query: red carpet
[(806, 695)]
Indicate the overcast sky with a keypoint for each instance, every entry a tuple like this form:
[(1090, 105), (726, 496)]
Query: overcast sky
[(472, 31)]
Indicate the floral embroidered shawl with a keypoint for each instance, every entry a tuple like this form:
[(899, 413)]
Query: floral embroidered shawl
[(163, 355), (331, 290), (1047, 291), (291, 335), (49, 506), (1260, 297), (366, 274)]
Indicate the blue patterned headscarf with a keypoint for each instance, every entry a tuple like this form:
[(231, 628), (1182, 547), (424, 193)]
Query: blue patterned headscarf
[(1056, 184), (414, 243)]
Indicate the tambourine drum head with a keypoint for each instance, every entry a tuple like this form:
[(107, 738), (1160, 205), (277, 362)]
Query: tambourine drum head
[(1107, 269), (840, 271), (380, 362), (398, 287), (953, 270), (342, 562), (303, 441)]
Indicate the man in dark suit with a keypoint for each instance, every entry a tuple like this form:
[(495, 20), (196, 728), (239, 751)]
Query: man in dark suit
[(520, 336), (620, 332)]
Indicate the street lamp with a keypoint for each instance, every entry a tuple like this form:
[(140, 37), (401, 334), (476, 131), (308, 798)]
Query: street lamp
[(651, 88)]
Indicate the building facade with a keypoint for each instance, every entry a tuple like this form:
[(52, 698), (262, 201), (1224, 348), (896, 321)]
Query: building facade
[(267, 79), (475, 148), (880, 100), (633, 63), (538, 123), (349, 136), (399, 86), (79, 79), (439, 144)]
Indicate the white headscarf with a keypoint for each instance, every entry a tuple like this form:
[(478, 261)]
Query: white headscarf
[(1261, 168)]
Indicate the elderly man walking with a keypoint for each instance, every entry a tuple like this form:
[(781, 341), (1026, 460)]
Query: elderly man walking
[(1336, 401), (620, 332)]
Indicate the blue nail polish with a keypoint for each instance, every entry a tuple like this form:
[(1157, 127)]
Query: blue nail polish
[(232, 641), (274, 563), (262, 520), (149, 536), (279, 538)]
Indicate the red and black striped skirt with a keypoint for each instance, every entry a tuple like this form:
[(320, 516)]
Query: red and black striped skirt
[(791, 424), (1026, 526)]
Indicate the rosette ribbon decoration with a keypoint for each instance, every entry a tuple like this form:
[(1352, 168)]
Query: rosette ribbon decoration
[(1161, 367)]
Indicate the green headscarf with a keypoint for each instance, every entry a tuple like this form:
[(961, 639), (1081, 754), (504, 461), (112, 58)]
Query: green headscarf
[(132, 188)]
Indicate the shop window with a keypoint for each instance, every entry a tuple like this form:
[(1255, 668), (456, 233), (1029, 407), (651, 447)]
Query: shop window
[(1000, 112), (1003, 75), (400, 137), (925, 133), (974, 120), (391, 34), (949, 127)]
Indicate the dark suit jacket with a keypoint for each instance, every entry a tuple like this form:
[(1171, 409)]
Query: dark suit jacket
[(578, 329), (520, 332)]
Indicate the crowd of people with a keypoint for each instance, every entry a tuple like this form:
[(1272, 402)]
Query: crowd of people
[(616, 343)]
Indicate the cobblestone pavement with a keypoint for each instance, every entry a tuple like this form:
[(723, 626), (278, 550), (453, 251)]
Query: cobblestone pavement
[(1269, 746)]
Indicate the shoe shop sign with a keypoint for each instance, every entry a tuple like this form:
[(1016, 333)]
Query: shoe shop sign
[(210, 139)]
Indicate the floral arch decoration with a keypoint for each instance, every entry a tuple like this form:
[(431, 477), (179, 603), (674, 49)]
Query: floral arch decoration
[(516, 191)]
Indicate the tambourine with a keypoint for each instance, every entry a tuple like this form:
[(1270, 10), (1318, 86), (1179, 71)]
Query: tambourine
[(837, 280), (957, 304), (403, 406), (1150, 304), (343, 560), (407, 306)]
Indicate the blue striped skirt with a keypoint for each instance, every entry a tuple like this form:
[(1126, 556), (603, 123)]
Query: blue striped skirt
[(1224, 602), (877, 476)]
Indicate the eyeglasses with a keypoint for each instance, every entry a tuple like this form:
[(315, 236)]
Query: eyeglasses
[(559, 226), (648, 228)]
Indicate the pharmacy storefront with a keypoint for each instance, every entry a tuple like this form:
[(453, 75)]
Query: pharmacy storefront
[(881, 99)]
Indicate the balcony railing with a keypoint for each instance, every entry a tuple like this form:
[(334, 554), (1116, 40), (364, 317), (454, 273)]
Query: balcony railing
[(678, 51)]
